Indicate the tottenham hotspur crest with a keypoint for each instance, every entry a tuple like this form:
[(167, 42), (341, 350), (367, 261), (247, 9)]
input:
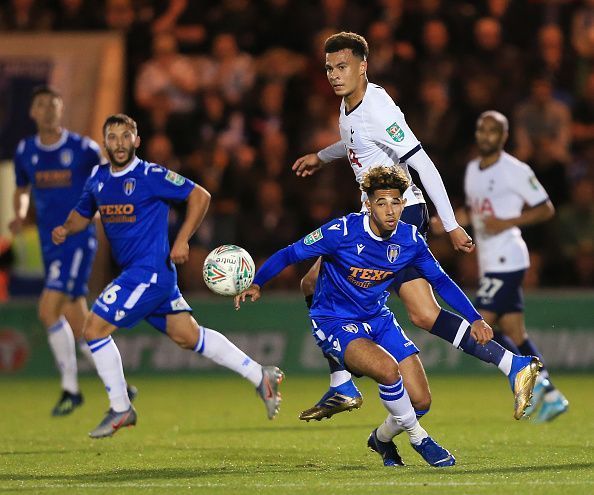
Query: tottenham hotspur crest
[(129, 186), (393, 252)]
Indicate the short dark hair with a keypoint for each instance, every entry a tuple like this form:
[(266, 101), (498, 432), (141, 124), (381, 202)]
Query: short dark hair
[(44, 90), (120, 119), (353, 41), (384, 177)]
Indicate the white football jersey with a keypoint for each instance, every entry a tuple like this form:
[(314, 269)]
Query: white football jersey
[(501, 190), (376, 133)]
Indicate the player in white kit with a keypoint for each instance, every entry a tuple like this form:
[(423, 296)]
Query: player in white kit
[(374, 132), (502, 195)]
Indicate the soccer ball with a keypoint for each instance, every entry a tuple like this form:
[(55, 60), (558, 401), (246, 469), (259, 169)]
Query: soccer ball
[(228, 270)]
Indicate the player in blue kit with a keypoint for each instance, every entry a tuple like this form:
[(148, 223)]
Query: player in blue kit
[(362, 254), (53, 167), (132, 197)]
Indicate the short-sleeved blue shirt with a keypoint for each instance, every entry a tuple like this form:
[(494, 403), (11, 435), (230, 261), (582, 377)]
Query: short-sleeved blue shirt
[(134, 208), (57, 175)]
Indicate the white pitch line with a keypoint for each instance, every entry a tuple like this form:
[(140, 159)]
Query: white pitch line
[(186, 484)]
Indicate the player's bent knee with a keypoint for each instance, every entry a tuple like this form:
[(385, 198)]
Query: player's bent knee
[(389, 375), (423, 319), (95, 328), (183, 329)]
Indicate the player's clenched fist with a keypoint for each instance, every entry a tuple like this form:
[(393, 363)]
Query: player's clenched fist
[(180, 252), (59, 234)]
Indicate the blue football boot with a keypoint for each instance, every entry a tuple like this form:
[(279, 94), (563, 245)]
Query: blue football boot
[(387, 450), (434, 454), (522, 377), (550, 409), (67, 403), (345, 397)]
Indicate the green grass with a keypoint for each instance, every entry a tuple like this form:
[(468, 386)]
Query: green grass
[(210, 435)]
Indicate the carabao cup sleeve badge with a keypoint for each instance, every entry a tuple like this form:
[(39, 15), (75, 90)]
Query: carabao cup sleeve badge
[(395, 132), (315, 236)]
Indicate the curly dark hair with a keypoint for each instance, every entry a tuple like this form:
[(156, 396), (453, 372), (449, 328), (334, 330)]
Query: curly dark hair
[(384, 177), (355, 42)]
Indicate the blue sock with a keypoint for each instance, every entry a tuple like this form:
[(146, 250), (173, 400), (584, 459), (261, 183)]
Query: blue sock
[(333, 365), (456, 330), (421, 412), (504, 341)]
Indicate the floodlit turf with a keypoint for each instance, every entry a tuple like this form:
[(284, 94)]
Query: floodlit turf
[(210, 435)]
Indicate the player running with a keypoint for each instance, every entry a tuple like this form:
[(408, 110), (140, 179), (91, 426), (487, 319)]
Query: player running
[(363, 253), (53, 166), (503, 194), (132, 197), (374, 132)]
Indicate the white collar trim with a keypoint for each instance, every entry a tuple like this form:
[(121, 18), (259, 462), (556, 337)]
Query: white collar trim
[(52, 147), (367, 228), (131, 166)]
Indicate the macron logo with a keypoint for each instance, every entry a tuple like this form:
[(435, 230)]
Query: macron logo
[(360, 247), (336, 226), (100, 186)]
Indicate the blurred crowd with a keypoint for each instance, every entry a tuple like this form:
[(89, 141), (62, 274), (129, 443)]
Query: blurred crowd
[(231, 92)]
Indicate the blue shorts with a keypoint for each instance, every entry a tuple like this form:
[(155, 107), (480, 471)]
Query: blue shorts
[(501, 293), (333, 335), (68, 266), (416, 215), (138, 294)]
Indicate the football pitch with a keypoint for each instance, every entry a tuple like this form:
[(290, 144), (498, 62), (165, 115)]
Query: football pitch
[(209, 434)]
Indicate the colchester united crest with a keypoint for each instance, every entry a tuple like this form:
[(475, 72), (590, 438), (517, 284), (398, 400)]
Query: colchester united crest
[(351, 327), (129, 186), (66, 158), (393, 252)]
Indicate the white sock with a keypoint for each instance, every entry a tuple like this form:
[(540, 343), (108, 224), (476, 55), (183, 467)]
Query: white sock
[(109, 367), (506, 362), (84, 349), (389, 429), (221, 350), (396, 400), (61, 342), (339, 377)]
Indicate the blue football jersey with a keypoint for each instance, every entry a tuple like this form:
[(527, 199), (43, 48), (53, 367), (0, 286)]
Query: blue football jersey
[(359, 266), (134, 208), (57, 175)]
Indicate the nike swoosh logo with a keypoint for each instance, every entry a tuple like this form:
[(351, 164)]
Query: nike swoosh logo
[(269, 392), (117, 426)]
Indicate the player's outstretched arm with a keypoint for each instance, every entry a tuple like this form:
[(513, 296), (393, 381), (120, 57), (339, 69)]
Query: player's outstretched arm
[(433, 184), (74, 224), (252, 291), (311, 163), (198, 202)]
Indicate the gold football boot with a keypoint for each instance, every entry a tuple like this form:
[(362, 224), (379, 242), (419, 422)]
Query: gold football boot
[(523, 386), (332, 403)]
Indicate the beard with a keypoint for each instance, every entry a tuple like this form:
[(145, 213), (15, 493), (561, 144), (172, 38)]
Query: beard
[(117, 163), (487, 150)]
